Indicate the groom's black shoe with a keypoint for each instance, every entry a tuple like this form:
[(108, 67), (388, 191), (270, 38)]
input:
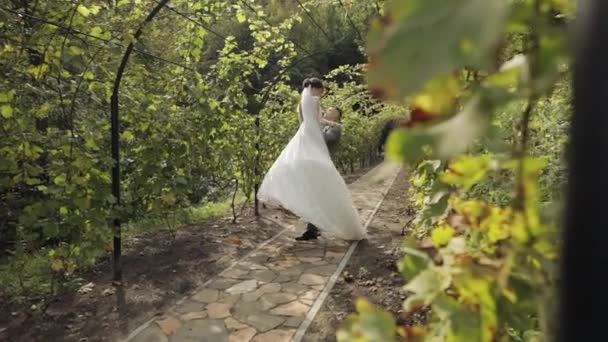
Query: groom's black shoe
[(311, 233)]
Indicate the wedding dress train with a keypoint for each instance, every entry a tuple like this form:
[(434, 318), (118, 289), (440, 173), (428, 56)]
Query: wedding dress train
[(305, 181)]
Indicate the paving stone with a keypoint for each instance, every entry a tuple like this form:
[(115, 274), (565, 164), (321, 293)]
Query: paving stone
[(151, 334), (243, 287), (293, 322), (201, 330), (243, 335), (264, 322), (294, 288), (310, 260), (233, 324), (333, 256), (222, 283), (279, 298), (168, 325), (266, 288), (310, 295), (295, 270), (308, 302), (278, 335), (294, 308), (312, 279), (193, 315), (229, 299), (283, 278), (260, 258), (206, 296), (285, 264), (189, 306), (317, 252), (265, 276), (244, 309), (318, 287), (252, 266), (322, 262), (235, 273), (323, 270), (218, 310)]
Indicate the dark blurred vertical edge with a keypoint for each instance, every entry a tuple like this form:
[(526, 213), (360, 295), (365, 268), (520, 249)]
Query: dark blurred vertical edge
[(583, 308)]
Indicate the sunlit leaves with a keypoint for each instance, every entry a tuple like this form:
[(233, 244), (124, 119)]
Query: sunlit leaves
[(371, 324), (511, 74), (84, 11), (426, 286), (445, 139), (412, 264), (438, 96), (466, 170), (442, 235), (6, 111), (417, 40)]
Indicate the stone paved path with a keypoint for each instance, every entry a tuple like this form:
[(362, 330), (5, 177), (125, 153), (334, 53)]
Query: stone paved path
[(268, 295)]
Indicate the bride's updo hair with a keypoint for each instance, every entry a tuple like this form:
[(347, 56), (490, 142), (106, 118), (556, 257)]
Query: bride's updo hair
[(313, 82)]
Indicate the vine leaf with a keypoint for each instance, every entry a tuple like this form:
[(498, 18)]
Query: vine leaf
[(446, 139), (418, 39)]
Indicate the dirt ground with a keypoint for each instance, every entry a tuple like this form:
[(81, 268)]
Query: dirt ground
[(157, 270), (371, 272)]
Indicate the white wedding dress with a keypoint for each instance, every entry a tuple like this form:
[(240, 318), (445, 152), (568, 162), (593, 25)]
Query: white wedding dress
[(305, 181)]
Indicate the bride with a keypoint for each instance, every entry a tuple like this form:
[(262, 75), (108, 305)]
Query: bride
[(304, 179)]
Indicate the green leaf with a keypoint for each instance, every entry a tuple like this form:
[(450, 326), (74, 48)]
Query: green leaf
[(75, 50), (426, 286), (445, 139), (88, 75), (83, 11), (94, 9), (128, 136), (370, 325), (7, 111), (419, 39), (96, 31), (59, 180), (464, 324), (511, 74), (240, 17), (467, 170), (7, 96), (412, 264)]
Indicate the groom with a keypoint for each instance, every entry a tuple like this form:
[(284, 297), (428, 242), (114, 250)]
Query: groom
[(331, 133)]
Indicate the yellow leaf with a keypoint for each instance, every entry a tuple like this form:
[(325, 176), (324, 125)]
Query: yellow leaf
[(363, 306), (442, 235), (43, 110), (75, 50), (57, 265), (96, 31), (83, 10), (438, 95), (94, 9), (38, 71), (518, 228)]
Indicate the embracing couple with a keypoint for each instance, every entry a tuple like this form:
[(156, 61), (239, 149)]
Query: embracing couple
[(304, 178)]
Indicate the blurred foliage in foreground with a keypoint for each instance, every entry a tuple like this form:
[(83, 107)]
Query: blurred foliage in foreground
[(486, 164)]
